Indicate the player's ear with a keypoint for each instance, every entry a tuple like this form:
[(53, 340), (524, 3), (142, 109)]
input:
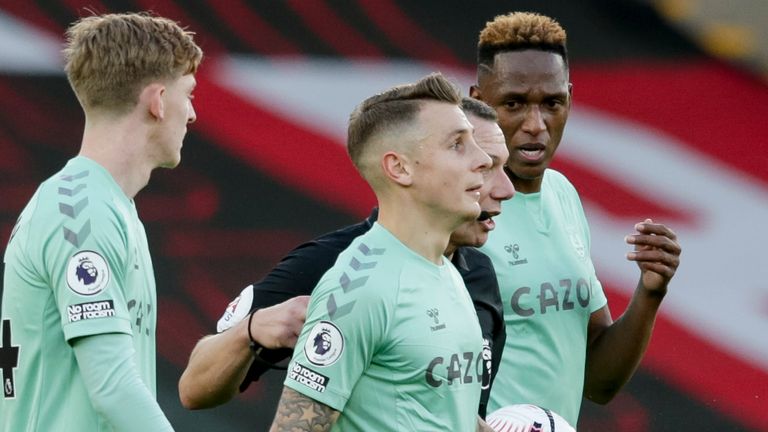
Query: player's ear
[(474, 92), (397, 168), (151, 96)]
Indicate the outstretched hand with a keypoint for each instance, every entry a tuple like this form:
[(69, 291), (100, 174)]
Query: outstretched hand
[(279, 326), (656, 252)]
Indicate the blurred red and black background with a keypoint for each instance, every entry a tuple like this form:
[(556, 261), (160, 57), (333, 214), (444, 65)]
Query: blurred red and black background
[(670, 121)]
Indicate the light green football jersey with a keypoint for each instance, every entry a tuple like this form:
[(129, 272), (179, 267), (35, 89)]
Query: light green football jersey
[(541, 252), (77, 265), (392, 341)]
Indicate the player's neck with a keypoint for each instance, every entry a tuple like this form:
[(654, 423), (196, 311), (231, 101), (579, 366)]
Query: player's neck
[(118, 147), (419, 231)]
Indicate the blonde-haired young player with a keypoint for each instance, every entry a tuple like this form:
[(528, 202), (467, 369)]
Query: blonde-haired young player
[(79, 301), (561, 340), (391, 334)]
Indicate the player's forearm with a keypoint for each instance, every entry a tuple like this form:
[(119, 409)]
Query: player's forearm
[(216, 368), (114, 386), (614, 355), (296, 412)]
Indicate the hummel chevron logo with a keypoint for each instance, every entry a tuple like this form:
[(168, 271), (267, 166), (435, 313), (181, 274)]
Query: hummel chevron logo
[(72, 192), (69, 178), (368, 251), (78, 238), (348, 284), (73, 211), (357, 265), (335, 311)]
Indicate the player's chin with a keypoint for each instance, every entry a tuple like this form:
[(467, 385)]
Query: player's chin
[(480, 239), (477, 238), (469, 235), (171, 162)]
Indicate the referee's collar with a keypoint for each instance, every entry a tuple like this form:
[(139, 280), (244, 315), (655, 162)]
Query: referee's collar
[(459, 260)]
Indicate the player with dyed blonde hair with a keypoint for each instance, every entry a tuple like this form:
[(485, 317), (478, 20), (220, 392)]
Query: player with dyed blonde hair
[(79, 305), (561, 340)]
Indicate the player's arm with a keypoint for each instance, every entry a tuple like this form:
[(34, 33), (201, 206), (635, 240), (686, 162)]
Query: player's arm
[(106, 363), (296, 412), (219, 363), (615, 349)]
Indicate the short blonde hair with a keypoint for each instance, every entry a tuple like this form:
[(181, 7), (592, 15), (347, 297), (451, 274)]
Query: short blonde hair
[(519, 31), (391, 109), (109, 58)]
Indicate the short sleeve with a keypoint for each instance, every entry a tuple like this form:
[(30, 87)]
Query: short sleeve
[(340, 337), (86, 260)]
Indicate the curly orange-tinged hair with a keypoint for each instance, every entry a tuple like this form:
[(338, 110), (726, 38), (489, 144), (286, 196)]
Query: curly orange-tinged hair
[(519, 31)]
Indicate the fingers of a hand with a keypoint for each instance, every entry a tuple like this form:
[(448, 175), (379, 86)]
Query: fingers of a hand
[(649, 227), (665, 271), (654, 241), (290, 342), (300, 307), (654, 256)]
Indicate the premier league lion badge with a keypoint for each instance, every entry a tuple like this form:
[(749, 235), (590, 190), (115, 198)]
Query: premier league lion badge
[(324, 344), (87, 273)]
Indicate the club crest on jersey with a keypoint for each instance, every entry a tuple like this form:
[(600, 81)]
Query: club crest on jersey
[(87, 273), (576, 242), (324, 344)]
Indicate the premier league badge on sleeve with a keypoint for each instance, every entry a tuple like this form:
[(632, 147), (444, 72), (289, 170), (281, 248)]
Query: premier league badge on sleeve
[(324, 344), (87, 273)]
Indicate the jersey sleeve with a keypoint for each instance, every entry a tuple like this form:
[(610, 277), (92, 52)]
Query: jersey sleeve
[(114, 385), (86, 259), (345, 326)]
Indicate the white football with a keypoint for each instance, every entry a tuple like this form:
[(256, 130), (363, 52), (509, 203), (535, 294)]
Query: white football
[(527, 418)]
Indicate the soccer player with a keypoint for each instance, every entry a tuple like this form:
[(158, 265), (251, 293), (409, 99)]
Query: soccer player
[(273, 309), (562, 341), (79, 303), (391, 338)]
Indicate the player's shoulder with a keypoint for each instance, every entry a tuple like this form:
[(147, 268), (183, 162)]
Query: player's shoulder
[(556, 180), (364, 263), (72, 197)]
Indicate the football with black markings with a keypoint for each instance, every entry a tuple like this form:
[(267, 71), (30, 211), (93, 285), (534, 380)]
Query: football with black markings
[(527, 418)]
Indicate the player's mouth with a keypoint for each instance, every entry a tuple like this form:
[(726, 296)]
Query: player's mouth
[(532, 152), (486, 220)]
